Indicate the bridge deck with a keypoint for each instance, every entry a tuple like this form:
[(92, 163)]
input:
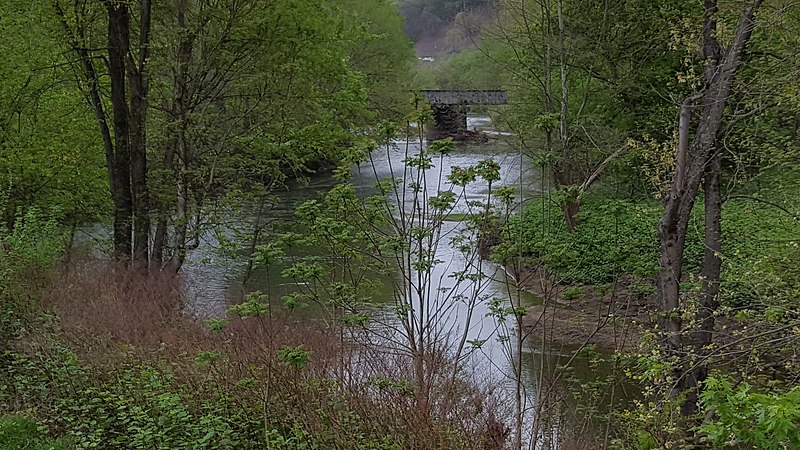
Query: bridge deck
[(442, 97)]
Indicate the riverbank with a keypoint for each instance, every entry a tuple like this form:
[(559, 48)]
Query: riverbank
[(611, 317), (597, 284), (106, 358)]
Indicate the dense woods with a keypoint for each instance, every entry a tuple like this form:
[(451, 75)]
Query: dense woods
[(616, 268)]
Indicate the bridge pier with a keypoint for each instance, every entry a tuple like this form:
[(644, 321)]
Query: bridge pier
[(450, 112), (448, 121)]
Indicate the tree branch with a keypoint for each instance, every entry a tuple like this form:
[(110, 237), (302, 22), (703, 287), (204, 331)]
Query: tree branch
[(601, 167), (766, 202)]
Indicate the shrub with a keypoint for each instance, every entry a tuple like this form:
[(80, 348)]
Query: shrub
[(27, 253), (761, 245), (572, 293), (765, 421), (613, 238), (130, 405)]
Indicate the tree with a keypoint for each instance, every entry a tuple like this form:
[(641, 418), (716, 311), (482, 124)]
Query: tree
[(212, 100), (699, 161), (379, 51), (250, 95), (48, 155), (581, 77), (351, 245), (126, 155)]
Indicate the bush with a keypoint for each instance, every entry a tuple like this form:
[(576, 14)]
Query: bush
[(130, 405), (762, 250), (27, 253), (761, 245), (765, 421)]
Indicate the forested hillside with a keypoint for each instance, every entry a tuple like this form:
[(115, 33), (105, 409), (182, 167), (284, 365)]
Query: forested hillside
[(226, 224), (444, 26)]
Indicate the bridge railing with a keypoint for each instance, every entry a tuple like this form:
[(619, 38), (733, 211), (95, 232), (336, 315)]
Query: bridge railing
[(450, 97)]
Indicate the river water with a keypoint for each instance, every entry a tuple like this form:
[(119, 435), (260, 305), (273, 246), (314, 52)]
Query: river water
[(214, 279)]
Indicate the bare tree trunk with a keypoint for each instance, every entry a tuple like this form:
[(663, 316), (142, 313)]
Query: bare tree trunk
[(571, 209), (562, 63), (159, 239), (125, 154), (182, 205), (712, 265), (139, 87), (178, 112), (565, 175), (548, 67), (672, 241), (118, 44)]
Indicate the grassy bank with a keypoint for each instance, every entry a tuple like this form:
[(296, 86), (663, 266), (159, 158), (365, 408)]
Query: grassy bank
[(618, 238), (19, 433)]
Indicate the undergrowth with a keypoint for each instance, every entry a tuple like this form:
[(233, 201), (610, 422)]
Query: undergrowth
[(614, 237), (618, 237), (106, 359), (20, 433), (198, 389)]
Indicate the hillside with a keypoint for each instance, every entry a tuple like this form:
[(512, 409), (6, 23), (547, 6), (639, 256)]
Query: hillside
[(441, 27)]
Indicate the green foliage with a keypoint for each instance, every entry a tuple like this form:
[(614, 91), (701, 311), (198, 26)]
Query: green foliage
[(27, 254), (381, 54), (19, 433), (765, 421), (572, 293), (467, 69), (333, 244), (285, 90), (614, 237), (618, 237), (612, 57), (255, 304), (35, 241), (643, 290), (762, 246), (298, 63), (647, 427), (49, 156), (297, 357), (132, 406)]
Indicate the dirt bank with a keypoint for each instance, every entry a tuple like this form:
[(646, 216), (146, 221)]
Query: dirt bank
[(610, 317)]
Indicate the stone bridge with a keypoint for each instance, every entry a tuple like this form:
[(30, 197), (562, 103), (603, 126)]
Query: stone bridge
[(450, 111)]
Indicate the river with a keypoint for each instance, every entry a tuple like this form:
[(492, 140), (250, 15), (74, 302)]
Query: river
[(213, 279)]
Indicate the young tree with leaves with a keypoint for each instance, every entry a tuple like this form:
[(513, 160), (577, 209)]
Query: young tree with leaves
[(699, 161)]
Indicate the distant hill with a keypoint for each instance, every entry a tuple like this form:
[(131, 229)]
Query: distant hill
[(444, 26)]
